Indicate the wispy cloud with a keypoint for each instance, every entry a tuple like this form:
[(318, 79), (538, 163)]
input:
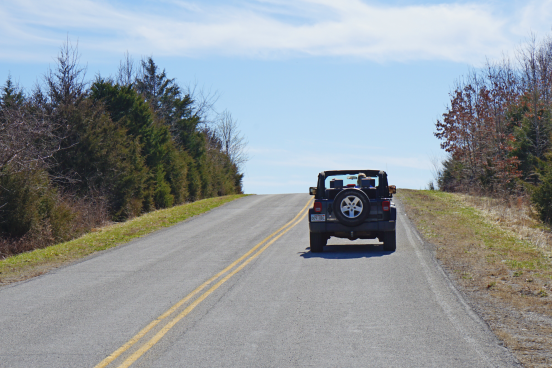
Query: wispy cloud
[(338, 157), (301, 167), (465, 32)]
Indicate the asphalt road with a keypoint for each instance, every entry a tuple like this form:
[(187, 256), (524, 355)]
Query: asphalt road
[(280, 306)]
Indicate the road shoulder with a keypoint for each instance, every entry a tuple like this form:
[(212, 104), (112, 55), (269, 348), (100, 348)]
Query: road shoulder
[(484, 262)]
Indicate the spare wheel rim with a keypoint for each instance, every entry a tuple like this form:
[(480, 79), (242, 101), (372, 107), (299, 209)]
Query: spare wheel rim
[(351, 206)]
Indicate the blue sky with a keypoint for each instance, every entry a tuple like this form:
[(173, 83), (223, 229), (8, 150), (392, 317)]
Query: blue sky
[(314, 84)]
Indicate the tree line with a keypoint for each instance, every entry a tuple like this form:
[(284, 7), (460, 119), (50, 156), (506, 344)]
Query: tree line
[(75, 154), (497, 128)]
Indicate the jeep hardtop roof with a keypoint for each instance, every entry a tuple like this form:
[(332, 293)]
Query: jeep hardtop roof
[(351, 172), (382, 175)]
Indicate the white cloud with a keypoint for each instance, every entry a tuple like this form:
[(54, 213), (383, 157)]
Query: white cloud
[(465, 32), (281, 170), (535, 16), (338, 157)]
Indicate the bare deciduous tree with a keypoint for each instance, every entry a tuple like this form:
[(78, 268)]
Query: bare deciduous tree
[(436, 169), (126, 74), (232, 141), (27, 139), (203, 104)]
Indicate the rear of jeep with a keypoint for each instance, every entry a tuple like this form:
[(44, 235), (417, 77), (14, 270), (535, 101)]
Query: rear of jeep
[(353, 204)]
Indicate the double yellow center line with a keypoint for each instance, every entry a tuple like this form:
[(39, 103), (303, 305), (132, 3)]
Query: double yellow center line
[(229, 271)]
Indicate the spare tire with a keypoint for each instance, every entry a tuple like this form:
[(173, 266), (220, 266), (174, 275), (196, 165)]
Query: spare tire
[(351, 206)]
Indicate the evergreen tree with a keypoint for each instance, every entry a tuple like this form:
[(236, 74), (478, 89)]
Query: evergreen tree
[(11, 95), (131, 112), (136, 146), (171, 107)]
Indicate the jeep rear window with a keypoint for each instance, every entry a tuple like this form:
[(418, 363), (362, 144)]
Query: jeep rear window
[(347, 179)]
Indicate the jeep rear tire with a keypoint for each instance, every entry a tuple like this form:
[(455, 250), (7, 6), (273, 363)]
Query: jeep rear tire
[(317, 242), (351, 206), (390, 241)]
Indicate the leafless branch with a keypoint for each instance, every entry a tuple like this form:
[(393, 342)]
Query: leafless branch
[(27, 139), (127, 71), (232, 141), (204, 102), (436, 168)]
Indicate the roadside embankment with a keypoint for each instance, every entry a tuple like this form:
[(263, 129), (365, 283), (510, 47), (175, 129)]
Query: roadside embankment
[(499, 255), (37, 262)]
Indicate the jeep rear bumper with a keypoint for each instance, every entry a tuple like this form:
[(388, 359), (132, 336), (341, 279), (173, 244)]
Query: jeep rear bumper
[(336, 227)]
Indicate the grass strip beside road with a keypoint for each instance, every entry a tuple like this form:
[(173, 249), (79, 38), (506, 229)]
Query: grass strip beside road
[(30, 264), (481, 248), (507, 278)]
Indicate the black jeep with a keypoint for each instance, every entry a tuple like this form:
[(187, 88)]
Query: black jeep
[(353, 204)]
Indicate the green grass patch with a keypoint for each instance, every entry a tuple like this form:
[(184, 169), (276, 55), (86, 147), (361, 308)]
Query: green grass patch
[(443, 218), (33, 263), (468, 239)]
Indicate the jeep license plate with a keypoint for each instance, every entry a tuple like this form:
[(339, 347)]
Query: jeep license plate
[(318, 218)]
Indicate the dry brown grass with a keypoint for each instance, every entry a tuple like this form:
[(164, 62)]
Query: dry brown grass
[(85, 214), (516, 215), (499, 254)]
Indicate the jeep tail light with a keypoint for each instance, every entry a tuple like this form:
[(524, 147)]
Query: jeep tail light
[(317, 206), (386, 205)]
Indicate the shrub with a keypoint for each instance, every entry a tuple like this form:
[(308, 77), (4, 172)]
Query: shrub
[(162, 195), (542, 198), (26, 198)]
